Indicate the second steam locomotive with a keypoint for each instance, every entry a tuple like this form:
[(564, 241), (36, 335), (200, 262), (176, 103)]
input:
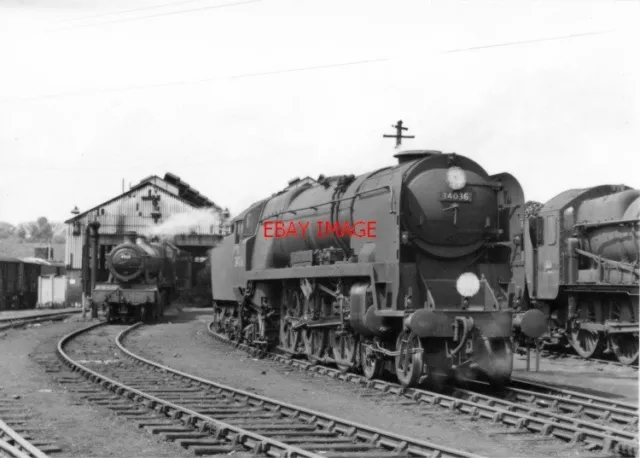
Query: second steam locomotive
[(583, 257), (430, 290), (142, 279)]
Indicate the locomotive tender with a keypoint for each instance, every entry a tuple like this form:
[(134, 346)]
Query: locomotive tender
[(432, 290), (583, 254), (142, 279)]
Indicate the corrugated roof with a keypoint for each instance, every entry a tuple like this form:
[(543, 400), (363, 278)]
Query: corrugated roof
[(30, 260), (43, 262), (185, 193)]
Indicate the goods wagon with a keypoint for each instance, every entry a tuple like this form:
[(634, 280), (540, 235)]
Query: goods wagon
[(18, 283)]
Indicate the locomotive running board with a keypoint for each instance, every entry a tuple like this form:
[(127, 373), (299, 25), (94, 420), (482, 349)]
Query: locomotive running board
[(383, 273)]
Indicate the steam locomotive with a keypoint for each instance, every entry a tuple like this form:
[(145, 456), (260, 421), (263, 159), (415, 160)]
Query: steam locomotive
[(142, 279), (583, 257), (428, 294)]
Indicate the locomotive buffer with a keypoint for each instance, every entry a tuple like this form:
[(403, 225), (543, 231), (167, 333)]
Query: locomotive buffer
[(398, 136)]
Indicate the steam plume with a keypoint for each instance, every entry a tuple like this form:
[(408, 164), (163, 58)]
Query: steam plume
[(197, 221)]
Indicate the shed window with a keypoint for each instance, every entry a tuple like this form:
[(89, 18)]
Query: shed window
[(550, 235)]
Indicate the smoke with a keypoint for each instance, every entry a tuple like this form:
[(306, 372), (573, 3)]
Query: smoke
[(204, 221)]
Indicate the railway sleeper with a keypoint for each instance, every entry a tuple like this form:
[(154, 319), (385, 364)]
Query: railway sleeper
[(373, 454), (211, 449), (173, 436), (186, 443)]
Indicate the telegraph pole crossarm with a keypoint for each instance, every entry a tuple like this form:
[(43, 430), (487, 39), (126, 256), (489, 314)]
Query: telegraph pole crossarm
[(398, 135)]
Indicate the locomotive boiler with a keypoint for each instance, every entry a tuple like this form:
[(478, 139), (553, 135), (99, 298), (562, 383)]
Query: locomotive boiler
[(417, 265), (142, 279), (583, 259)]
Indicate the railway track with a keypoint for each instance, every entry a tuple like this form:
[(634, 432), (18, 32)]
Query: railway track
[(16, 322), (14, 445), (209, 418), (597, 423)]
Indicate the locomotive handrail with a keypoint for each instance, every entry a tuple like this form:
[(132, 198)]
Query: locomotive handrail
[(330, 202), (621, 222), (618, 264)]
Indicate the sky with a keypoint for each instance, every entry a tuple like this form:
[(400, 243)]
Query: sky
[(237, 97)]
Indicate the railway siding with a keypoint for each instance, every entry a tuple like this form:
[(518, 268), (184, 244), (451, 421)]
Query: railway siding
[(221, 416), (553, 414), (19, 320)]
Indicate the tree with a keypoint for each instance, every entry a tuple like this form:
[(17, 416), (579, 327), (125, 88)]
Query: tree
[(6, 230), (44, 232), (21, 233), (40, 230), (531, 208)]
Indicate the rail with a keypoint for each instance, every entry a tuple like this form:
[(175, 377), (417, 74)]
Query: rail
[(536, 419), (7, 323), (16, 446), (366, 436)]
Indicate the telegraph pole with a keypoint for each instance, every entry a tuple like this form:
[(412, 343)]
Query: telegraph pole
[(398, 135)]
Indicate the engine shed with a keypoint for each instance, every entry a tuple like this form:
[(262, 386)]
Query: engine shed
[(166, 207)]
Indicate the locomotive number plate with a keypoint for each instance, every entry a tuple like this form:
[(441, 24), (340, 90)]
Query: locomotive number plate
[(456, 196)]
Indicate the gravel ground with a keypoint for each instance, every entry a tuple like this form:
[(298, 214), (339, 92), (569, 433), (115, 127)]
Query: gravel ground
[(605, 381), (16, 314), (184, 344), (85, 430), (79, 429)]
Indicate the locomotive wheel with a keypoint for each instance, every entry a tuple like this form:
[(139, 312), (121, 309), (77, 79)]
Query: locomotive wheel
[(314, 343), (343, 347), (289, 338), (587, 343), (291, 309), (372, 364), (218, 319), (625, 346), (110, 314), (409, 361)]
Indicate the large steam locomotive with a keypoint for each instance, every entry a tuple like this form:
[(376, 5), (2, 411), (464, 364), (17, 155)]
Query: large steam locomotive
[(418, 265), (142, 279), (583, 256)]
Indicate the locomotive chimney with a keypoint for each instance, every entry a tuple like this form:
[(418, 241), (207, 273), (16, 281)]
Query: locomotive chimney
[(130, 237), (143, 243), (411, 155)]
